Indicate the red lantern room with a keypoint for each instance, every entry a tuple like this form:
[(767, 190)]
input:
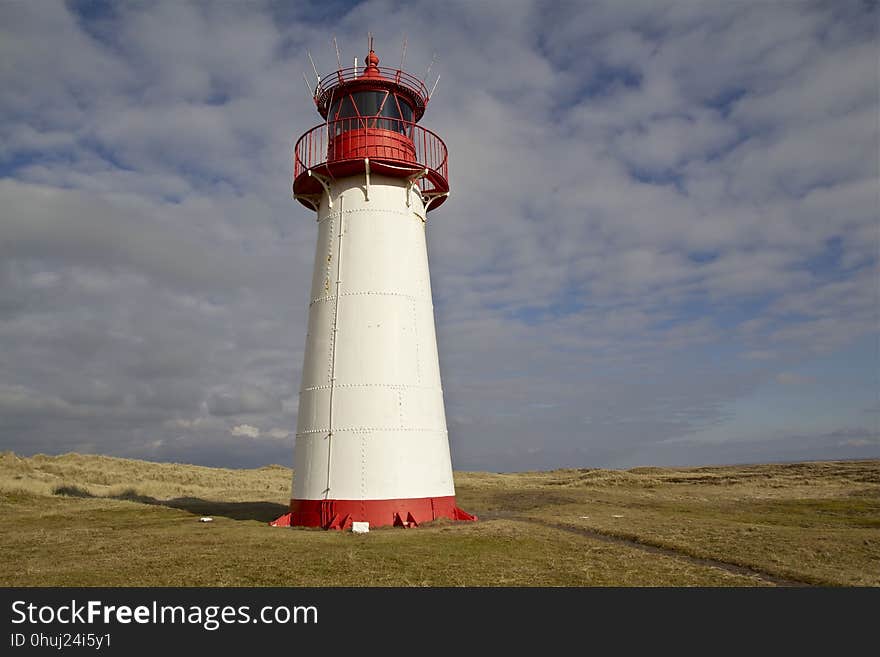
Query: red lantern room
[(371, 125)]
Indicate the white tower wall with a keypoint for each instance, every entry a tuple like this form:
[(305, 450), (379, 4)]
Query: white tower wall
[(371, 423)]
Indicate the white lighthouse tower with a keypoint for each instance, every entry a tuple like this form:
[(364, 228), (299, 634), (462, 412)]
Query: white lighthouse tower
[(371, 439)]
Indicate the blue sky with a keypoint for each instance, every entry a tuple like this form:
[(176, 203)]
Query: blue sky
[(661, 245)]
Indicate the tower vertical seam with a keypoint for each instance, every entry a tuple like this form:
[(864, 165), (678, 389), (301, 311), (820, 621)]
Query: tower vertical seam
[(339, 233), (416, 340)]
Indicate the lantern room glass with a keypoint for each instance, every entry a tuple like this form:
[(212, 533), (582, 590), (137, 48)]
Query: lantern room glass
[(368, 104)]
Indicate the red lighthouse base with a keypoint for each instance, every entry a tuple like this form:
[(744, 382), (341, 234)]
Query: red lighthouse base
[(339, 514)]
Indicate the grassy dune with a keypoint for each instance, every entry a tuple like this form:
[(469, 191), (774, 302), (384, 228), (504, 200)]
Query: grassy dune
[(102, 521)]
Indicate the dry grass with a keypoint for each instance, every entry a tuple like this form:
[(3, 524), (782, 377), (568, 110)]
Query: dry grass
[(95, 520), (817, 523), (106, 476)]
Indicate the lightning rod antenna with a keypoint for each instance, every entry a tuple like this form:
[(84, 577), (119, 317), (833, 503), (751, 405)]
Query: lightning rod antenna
[(338, 58), (308, 86), (403, 54), (428, 71), (431, 95), (314, 68)]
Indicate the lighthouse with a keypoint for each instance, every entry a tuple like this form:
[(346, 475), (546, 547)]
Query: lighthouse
[(371, 438)]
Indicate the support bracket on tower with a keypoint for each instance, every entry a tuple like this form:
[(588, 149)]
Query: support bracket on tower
[(325, 183), (411, 182), (431, 197), (312, 200)]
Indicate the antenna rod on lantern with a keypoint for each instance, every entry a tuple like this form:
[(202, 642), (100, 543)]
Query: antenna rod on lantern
[(355, 66), (403, 54), (314, 68), (338, 59), (431, 95), (309, 87), (428, 70)]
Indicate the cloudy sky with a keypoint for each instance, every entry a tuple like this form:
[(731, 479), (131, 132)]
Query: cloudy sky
[(661, 245)]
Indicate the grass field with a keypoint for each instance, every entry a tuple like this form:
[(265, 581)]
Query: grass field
[(77, 520)]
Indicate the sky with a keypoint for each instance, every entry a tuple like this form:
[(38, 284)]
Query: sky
[(661, 245)]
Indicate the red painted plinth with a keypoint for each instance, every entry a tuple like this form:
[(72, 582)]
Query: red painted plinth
[(339, 514)]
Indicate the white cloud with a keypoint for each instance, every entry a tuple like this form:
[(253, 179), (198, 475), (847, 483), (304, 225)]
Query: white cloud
[(245, 430), (251, 431)]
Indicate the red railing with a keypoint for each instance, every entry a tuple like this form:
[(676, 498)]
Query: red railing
[(402, 78), (394, 142)]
